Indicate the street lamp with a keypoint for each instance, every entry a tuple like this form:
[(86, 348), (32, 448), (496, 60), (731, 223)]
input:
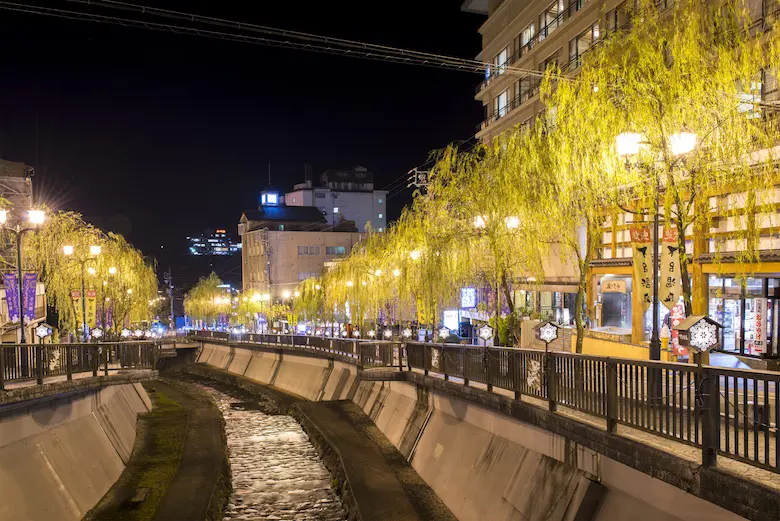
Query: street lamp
[(629, 144), (35, 218), (94, 251)]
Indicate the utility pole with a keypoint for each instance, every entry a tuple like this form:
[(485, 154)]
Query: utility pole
[(169, 282)]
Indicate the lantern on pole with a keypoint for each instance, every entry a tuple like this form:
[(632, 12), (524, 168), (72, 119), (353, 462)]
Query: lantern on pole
[(699, 333), (547, 332), (444, 333), (485, 333)]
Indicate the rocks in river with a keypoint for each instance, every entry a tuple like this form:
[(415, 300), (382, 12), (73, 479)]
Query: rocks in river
[(277, 473)]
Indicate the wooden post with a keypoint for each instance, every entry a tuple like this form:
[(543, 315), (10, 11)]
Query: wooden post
[(39, 362), (69, 361), (551, 381), (95, 359), (708, 390)]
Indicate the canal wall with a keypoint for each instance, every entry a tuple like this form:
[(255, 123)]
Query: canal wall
[(482, 459), (59, 455)]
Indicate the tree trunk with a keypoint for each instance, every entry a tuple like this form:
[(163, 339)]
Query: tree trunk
[(686, 279)]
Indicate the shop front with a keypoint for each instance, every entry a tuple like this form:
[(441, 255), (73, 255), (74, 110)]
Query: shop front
[(748, 308)]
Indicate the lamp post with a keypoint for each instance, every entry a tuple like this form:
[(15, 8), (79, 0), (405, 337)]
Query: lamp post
[(35, 218), (630, 144), (82, 260)]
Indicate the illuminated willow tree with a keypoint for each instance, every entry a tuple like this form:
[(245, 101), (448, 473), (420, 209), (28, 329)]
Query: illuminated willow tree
[(206, 300), (123, 279), (685, 85)]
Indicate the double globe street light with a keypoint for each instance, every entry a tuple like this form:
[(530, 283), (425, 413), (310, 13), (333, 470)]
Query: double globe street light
[(94, 251), (630, 144)]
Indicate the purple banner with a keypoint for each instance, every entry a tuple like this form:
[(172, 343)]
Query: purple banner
[(29, 283), (110, 316), (106, 313), (11, 285)]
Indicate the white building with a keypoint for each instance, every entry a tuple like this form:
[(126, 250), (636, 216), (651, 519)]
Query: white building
[(343, 195)]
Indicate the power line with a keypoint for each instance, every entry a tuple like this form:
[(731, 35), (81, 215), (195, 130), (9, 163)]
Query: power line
[(274, 37)]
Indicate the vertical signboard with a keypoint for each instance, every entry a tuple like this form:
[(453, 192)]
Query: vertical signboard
[(759, 338), (91, 308), (78, 310), (643, 264), (29, 285), (11, 286), (670, 283)]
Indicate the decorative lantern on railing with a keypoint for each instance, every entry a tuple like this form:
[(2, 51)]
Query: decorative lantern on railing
[(356, 333), (371, 333), (444, 333), (388, 333), (407, 333), (97, 333), (547, 332), (485, 333), (42, 331), (699, 333), (126, 333)]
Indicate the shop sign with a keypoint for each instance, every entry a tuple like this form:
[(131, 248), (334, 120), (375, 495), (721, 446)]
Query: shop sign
[(759, 340), (670, 283), (475, 315), (676, 317), (468, 297), (614, 286), (643, 264)]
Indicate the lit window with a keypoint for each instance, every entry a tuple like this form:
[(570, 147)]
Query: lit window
[(381, 229), (380, 215), (379, 201), (335, 209), (272, 198)]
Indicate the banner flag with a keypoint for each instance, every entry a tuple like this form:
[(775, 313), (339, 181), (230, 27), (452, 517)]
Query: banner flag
[(11, 285), (75, 295), (29, 285), (670, 284), (91, 308), (643, 264)]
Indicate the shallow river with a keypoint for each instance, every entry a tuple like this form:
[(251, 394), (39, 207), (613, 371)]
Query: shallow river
[(277, 473)]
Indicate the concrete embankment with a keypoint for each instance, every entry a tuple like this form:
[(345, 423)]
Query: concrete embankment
[(480, 460), (60, 454)]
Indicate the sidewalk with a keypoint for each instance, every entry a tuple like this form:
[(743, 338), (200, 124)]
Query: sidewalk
[(383, 484)]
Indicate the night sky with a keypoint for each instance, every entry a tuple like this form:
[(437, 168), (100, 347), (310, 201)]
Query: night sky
[(159, 136)]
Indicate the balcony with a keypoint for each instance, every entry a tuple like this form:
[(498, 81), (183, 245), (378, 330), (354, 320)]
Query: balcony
[(516, 102)]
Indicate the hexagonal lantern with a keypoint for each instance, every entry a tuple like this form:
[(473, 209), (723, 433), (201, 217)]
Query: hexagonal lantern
[(485, 333), (43, 331), (444, 333), (698, 333), (97, 333), (371, 333), (547, 332), (388, 333), (126, 333), (407, 333)]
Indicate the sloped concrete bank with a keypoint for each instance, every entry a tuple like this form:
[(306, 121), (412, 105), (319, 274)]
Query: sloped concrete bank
[(60, 454), (485, 462)]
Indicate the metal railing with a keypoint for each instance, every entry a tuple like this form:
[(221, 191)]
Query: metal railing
[(723, 411), (21, 362)]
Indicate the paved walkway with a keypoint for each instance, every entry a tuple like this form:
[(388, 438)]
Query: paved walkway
[(384, 485)]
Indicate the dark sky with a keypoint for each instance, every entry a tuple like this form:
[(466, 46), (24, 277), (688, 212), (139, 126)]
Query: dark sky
[(159, 136)]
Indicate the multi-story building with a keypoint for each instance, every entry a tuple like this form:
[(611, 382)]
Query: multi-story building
[(213, 243), (529, 35), (343, 194), (283, 245)]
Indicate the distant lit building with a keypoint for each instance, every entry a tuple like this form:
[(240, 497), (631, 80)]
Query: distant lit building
[(213, 243), (342, 194)]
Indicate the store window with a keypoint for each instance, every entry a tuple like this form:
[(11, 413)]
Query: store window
[(748, 311), (613, 307)]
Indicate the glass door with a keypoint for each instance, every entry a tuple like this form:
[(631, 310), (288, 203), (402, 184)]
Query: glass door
[(732, 325)]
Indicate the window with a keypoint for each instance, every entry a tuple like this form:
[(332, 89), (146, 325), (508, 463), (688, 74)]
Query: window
[(303, 275), (526, 89), (618, 18), (380, 215), (281, 227), (308, 250), (581, 43), (335, 209), (750, 98), (551, 18), (271, 198), (527, 39), (502, 60), (335, 250), (501, 104), (551, 61), (379, 201)]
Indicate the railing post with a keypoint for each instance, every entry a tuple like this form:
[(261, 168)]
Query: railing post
[(551, 381), (513, 369), (708, 391), (2, 369), (426, 352), (69, 361), (105, 360), (487, 369), (443, 362), (612, 395), (95, 361), (39, 363)]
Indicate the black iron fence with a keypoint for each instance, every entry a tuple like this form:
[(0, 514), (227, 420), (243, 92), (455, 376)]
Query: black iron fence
[(20, 362), (723, 411)]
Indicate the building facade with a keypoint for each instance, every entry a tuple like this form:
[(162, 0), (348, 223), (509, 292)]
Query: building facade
[(284, 245), (343, 194), (215, 243), (533, 34)]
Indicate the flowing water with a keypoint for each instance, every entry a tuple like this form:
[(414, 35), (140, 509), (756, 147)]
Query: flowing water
[(277, 473)]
